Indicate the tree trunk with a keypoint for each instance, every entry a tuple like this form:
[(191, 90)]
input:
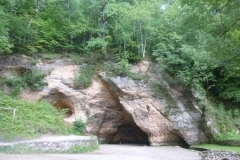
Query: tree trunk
[(69, 22)]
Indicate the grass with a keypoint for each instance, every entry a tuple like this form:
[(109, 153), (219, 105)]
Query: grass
[(31, 119), (217, 147)]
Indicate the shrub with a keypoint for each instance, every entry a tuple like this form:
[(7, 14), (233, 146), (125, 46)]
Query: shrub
[(84, 79), (226, 118), (122, 68), (15, 83), (34, 79), (30, 79), (79, 127), (226, 136)]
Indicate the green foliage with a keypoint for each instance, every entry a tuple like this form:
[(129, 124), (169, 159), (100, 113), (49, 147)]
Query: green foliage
[(217, 147), (226, 116), (228, 88), (227, 136), (85, 77), (34, 79), (15, 82), (200, 46), (128, 56), (79, 127), (31, 118), (122, 68), (98, 45), (30, 79), (193, 67)]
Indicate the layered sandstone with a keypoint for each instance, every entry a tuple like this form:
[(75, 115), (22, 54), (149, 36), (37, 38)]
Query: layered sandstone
[(121, 110)]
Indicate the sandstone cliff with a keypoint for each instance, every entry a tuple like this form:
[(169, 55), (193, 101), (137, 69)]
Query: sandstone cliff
[(119, 109)]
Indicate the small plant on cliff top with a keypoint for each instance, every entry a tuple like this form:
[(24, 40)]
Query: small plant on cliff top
[(85, 77)]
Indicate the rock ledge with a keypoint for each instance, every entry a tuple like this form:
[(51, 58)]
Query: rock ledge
[(51, 144)]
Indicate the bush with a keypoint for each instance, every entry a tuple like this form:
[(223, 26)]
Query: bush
[(34, 79), (226, 119), (122, 68), (227, 136), (30, 79), (79, 127), (84, 79), (15, 83)]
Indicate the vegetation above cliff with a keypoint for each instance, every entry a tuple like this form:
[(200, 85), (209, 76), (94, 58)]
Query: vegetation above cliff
[(196, 42)]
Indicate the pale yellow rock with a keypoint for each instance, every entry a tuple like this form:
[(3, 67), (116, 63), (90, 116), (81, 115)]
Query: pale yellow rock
[(119, 109)]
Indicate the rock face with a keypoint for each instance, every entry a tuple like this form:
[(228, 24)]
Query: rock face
[(120, 110), (149, 113)]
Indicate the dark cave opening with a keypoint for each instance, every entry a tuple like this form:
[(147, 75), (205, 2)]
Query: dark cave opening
[(61, 105), (182, 143), (130, 134)]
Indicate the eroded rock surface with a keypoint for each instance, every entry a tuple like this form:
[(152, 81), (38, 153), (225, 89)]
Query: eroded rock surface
[(120, 110)]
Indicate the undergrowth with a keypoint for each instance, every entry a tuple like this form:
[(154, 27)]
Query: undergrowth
[(29, 80), (31, 118), (227, 136), (217, 147), (84, 78), (227, 117)]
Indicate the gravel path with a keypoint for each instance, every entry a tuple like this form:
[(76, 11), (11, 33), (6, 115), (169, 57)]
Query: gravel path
[(116, 152)]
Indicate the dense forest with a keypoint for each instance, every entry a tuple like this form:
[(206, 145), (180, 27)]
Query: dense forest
[(195, 41)]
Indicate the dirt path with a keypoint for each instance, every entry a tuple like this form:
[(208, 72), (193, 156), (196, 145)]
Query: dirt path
[(116, 152)]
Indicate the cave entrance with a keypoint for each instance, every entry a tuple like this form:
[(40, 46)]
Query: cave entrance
[(69, 116), (181, 142), (130, 134), (118, 127)]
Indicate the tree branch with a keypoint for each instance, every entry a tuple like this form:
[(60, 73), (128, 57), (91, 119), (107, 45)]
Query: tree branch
[(233, 24), (220, 9), (103, 6)]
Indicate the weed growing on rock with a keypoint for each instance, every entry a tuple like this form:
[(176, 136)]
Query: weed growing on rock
[(85, 77)]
